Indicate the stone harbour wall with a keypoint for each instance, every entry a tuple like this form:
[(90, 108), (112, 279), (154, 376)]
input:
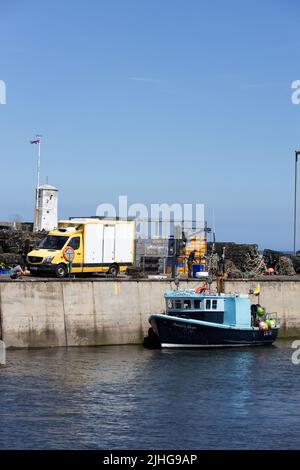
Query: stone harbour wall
[(50, 313)]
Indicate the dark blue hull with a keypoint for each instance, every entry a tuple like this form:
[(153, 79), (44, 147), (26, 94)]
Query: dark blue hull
[(178, 332)]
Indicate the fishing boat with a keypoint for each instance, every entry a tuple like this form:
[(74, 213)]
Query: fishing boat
[(200, 318)]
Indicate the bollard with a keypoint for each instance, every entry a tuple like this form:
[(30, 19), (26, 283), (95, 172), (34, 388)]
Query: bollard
[(2, 353)]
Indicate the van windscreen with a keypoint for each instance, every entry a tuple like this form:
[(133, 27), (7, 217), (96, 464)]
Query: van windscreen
[(53, 242)]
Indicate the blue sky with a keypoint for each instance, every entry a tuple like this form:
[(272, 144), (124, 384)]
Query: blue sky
[(163, 100)]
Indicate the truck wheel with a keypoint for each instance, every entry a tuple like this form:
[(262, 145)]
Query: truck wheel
[(113, 270), (61, 271)]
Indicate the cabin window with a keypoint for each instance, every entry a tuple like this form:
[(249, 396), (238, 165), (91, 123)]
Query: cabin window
[(74, 243), (207, 305), (186, 304), (53, 242), (177, 303), (197, 304), (169, 304), (214, 304)]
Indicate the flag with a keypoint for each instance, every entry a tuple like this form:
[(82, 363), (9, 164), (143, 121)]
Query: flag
[(37, 141)]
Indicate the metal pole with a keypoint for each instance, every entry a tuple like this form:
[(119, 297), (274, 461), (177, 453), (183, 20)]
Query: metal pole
[(295, 201), (36, 222), (39, 162)]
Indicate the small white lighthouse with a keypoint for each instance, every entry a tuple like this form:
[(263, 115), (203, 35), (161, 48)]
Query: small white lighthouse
[(47, 207)]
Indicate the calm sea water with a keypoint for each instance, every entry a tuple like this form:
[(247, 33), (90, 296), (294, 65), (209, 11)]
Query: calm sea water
[(129, 398)]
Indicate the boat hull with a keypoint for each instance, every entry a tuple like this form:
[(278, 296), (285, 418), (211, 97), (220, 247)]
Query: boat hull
[(180, 333)]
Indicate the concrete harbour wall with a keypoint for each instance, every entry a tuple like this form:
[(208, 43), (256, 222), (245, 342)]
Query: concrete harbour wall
[(49, 313)]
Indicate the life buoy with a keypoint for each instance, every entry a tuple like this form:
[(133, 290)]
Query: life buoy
[(68, 254), (201, 289)]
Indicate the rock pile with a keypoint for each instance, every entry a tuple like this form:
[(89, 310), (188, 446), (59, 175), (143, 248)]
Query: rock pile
[(282, 263), (285, 266), (15, 244), (245, 260), (241, 260), (296, 263)]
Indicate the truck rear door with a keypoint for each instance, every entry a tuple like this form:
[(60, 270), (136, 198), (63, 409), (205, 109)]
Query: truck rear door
[(124, 243)]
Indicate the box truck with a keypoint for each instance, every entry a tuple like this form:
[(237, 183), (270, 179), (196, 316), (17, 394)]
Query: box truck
[(98, 246)]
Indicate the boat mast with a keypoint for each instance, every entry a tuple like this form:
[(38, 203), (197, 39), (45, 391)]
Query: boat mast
[(221, 273), (209, 264)]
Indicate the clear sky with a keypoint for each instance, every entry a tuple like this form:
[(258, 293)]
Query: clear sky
[(162, 100)]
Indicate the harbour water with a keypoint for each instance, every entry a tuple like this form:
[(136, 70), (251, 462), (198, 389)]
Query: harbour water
[(125, 397)]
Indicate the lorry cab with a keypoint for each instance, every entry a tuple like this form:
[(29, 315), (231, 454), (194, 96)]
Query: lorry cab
[(99, 246), (48, 257)]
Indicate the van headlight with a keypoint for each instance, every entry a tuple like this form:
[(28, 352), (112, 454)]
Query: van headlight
[(48, 259)]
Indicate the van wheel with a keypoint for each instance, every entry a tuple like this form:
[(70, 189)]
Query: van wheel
[(113, 270), (34, 274), (61, 271)]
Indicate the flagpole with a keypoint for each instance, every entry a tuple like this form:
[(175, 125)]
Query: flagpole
[(39, 162), (36, 215), (297, 153)]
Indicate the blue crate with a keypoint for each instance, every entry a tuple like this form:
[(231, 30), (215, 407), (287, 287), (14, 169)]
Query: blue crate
[(5, 271)]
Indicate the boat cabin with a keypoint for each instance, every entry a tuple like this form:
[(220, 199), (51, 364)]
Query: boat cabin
[(226, 309)]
